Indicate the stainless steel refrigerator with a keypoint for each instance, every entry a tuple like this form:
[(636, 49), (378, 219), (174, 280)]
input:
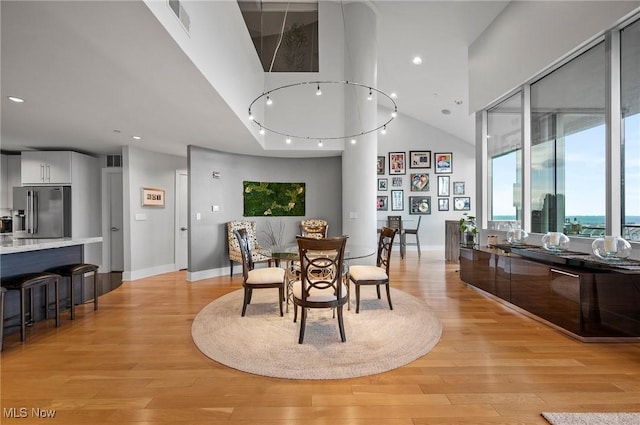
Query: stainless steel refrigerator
[(42, 212)]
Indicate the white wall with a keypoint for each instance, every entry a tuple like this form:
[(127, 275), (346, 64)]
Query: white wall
[(529, 36), (407, 134), (149, 231)]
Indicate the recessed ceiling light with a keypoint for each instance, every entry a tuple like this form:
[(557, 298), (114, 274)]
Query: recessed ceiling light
[(417, 60), (16, 99), (393, 95), (137, 137), (458, 102), (446, 112)]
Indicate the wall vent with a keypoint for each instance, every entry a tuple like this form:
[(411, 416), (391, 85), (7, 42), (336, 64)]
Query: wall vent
[(182, 15), (114, 160)]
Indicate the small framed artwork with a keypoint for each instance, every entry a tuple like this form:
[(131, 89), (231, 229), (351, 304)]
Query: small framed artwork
[(443, 186), (383, 203), (444, 162), (397, 163), (458, 188), (420, 159), (420, 204), (396, 182), (152, 197), (461, 203), (420, 182), (397, 200), (443, 204), (381, 165), (382, 184)]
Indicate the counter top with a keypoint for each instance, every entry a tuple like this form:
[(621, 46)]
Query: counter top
[(11, 246)]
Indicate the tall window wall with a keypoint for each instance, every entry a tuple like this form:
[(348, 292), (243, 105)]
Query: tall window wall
[(568, 142), (565, 185), (504, 153), (630, 106)]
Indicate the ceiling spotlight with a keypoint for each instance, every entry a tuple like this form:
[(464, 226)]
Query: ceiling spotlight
[(384, 130), (318, 92), (458, 102), (269, 101), (250, 116), (370, 95), (446, 112), (288, 140), (16, 99), (136, 137), (394, 114), (353, 141), (320, 144), (393, 95), (417, 60), (261, 131)]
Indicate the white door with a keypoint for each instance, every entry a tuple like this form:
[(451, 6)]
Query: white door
[(182, 230), (115, 221)]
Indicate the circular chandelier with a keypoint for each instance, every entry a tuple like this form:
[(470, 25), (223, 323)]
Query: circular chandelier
[(289, 135)]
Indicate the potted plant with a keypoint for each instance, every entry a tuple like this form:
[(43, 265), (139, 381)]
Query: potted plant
[(468, 229)]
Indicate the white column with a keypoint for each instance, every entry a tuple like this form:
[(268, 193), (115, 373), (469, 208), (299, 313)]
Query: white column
[(359, 160)]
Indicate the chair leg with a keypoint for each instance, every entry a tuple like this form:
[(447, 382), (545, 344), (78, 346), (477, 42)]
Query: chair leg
[(418, 243), (389, 296), (250, 290), (230, 268), (378, 291), (245, 301), (357, 299), (303, 323), (341, 325), (72, 309), (57, 295), (95, 290), (295, 312), (280, 296)]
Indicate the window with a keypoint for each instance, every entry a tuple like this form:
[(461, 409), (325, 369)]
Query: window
[(568, 142), (504, 153), (630, 99)]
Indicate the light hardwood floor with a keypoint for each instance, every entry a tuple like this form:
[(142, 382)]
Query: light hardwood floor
[(133, 362)]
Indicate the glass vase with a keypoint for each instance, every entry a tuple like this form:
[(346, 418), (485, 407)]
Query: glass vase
[(611, 248), (555, 242)]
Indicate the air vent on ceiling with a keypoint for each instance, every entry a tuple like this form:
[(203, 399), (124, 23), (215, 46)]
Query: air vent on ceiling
[(114, 160), (182, 15)]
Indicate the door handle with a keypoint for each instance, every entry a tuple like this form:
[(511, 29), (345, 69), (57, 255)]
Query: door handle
[(114, 229), (184, 228)]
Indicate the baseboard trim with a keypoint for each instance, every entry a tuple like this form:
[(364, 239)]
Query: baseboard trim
[(151, 271)]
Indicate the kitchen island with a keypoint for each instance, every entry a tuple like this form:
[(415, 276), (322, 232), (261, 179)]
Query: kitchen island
[(21, 256)]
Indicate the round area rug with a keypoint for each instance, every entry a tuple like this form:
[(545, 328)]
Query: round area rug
[(264, 343)]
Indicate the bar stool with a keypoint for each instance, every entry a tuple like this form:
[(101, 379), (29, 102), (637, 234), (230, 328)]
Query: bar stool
[(25, 284), (72, 271), (2, 291)]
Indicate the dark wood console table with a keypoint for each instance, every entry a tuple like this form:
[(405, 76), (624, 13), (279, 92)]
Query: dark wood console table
[(574, 292)]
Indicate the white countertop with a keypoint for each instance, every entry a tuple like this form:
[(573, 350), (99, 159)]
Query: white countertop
[(11, 246)]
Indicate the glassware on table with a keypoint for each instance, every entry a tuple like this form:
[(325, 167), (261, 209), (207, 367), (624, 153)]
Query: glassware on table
[(517, 236), (555, 242), (611, 248)]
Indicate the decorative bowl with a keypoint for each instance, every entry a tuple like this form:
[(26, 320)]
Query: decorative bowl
[(555, 242), (611, 248), (517, 237)]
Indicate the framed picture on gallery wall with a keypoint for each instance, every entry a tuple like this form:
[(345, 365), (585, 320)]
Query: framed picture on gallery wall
[(419, 159), (381, 165), (443, 162), (443, 185), (383, 203), (382, 184), (396, 182), (397, 200), (461, 203), (152, 197), (419, 182), (419, 204), (458, 188), (443, 204), (397, 163)]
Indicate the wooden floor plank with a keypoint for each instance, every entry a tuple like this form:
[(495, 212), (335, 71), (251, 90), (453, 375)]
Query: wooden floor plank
[(133, 362)]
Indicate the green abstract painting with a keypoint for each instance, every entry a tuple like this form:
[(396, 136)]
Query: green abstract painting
[(273, 199)]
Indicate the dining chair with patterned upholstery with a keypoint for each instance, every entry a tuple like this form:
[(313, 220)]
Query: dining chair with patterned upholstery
[(234, 247), (325, 290), (375, 275), (266, 277), (314, 228)]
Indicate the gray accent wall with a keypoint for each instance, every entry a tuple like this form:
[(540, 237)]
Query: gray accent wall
[(208, 249)]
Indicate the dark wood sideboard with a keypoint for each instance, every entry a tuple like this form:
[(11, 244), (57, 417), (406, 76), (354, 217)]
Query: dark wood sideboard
[(589, 300)]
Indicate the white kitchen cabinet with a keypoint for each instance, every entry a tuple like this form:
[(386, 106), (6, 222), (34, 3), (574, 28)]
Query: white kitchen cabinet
[(46, 167)]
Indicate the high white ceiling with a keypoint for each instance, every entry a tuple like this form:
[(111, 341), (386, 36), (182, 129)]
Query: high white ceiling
[(96, 73)]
